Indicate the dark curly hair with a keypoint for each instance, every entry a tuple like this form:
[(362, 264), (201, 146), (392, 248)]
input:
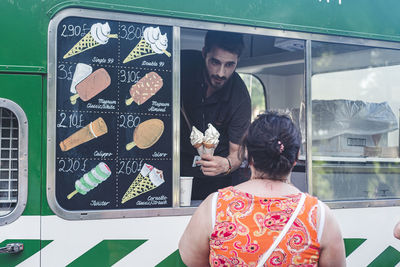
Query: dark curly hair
[(272, 143), (229, 41)]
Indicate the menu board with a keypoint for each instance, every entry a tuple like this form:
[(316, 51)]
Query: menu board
[(113, 115)]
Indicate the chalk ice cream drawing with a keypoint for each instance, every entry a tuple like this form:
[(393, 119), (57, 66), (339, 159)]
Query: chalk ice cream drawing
[(99, 35), (91, 86), (93, 130), (145, 88), (152, 42), (148, 179), (92, 179)]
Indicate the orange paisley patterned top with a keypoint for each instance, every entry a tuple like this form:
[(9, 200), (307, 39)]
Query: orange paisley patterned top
[(246, 226)]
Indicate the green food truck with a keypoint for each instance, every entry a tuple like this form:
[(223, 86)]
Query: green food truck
[(90, 120)]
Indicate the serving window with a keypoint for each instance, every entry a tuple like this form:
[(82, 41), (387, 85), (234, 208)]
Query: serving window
[(355, 122)]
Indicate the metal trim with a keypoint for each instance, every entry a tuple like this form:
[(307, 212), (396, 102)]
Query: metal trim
[(22, 161), (204, 25), (176, 103), (362, 203), (308, 100)]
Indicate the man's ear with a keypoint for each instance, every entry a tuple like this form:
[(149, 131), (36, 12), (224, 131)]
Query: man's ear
[(203, 52)]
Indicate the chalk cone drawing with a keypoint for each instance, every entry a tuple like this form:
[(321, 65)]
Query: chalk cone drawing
[(148, 179), (99, 35), (152, 42)]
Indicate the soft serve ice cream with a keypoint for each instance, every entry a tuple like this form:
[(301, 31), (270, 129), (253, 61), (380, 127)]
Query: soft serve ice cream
[(210, 140), (196, 139), (205, 143)]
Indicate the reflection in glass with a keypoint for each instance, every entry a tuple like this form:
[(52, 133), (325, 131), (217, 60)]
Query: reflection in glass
[(355, 115)]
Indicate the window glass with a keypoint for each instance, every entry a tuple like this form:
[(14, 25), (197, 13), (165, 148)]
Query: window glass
[(355, 114), (273, 70), (8, 161), (256, 91)]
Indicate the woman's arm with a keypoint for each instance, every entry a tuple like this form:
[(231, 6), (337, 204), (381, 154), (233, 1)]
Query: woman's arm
[(396, 230), (194, 244), (332, 245)]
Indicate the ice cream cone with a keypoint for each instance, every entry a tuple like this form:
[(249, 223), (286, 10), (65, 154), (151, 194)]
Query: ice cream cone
[(87, 42), (199, 147), (142, 49), (210, 140), (209, 148), (143, 184)]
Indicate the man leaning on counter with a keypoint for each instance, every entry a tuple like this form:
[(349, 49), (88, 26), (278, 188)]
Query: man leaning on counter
[(213, 93)]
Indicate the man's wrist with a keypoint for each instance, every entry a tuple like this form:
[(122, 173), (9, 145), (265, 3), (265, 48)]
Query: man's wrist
[(229, 166)]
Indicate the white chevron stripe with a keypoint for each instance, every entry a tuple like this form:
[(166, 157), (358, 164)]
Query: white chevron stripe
[(74, 238), (374, 224), (26, 227)]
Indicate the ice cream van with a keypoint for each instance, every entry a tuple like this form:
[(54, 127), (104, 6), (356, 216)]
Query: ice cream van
[(90, 118)]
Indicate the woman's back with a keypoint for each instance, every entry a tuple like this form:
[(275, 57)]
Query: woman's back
[(265, 213), (246, 226)]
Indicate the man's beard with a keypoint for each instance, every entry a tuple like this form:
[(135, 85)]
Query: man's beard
[(212, 80)]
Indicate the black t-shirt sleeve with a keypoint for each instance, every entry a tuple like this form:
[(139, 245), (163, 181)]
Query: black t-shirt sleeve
[(240, 118)]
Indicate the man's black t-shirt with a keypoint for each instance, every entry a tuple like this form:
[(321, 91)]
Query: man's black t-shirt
[(228, 110)]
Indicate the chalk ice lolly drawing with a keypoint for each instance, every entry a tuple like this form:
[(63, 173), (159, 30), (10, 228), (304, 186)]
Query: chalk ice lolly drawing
[(93, 130), (99, 35), (152, 42), (81, 72), (146, 134), (145, 88), (92, 179), (148, 179), (91, 86)]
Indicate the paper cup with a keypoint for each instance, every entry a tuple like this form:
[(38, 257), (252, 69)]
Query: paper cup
[(186, 190)]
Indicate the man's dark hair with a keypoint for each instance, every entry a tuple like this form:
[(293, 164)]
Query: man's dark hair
[(229, 41)]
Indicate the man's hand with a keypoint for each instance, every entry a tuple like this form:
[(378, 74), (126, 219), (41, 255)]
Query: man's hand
[(213, 165)]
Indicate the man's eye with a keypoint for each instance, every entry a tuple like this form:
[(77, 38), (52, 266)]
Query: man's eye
[(214, 62), (230, 65)]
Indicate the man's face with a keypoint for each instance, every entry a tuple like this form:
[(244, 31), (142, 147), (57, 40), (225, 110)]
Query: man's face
[(220, 65)]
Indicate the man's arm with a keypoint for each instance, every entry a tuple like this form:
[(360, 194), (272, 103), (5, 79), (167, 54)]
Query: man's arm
[(240, 121), (214, 165)]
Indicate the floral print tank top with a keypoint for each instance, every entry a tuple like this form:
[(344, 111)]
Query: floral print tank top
[(247, 225)]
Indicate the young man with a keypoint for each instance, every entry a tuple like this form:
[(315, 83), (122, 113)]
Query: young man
[(212, 92)]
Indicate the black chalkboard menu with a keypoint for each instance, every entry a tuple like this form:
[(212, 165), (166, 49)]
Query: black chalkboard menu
[(113, 115)]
